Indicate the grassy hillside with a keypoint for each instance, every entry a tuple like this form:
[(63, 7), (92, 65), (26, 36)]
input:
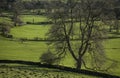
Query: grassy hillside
[(33, 18), (30, 31), (21, 51), (15, 49), (31, 50)]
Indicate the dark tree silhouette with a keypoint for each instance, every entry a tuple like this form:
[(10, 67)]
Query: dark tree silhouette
[(88, 30)]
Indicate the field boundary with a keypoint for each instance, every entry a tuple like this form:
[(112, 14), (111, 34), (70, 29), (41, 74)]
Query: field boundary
[(64, 68), (47, 40)]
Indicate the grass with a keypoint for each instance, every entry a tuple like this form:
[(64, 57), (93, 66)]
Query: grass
[(13, 71), (5, 19), (112, 46), (30, 31), (33, 18), (21, 51), (31, 51), (28, 50)]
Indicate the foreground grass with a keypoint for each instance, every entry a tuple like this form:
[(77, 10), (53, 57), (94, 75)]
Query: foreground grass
[(13, 71), (21, 51)]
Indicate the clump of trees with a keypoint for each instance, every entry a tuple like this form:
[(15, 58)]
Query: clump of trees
[(112, 12), (14, 8), (5, 29)]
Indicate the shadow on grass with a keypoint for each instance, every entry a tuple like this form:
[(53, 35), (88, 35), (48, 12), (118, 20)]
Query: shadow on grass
[(40, 23)]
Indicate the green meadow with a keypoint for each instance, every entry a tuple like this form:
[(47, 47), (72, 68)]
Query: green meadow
[(30, 31), (31, 50), (33, 18), (14, 49)]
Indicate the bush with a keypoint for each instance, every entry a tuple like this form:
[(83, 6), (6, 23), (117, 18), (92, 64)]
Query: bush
[(5, 27), (29, 23), (23, 40), (9, 36), (49, 58), (36, 38)]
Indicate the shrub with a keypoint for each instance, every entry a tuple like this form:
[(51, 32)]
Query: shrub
[(36, 38), (23, 40), (29, 23), (5, 27), (9, 36), (49, 58)]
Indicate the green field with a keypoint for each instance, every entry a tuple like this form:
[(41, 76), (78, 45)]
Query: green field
[(21, 51), (14, 49), (33, 18), (31, 50), (30, 31)]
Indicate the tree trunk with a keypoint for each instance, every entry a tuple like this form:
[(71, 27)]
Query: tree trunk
[(79, 64), (110, 29), (15, 24), (117, 29)]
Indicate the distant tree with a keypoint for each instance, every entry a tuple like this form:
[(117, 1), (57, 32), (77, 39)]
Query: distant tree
[(89, 34), (28, 5), (5, 28), (5, 5), (17, 8), (117, 23), (33, 2), (113, 14), (2, 5)]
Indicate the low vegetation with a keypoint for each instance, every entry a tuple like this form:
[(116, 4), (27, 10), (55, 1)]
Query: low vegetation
[(16, 71)]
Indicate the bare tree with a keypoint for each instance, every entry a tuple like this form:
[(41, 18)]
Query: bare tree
[(88, 31), (17, 9), (117, 25)]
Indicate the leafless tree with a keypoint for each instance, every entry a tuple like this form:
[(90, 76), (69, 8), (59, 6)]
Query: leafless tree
[(82, 37), (17, 8)]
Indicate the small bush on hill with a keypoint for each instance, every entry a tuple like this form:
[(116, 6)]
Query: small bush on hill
[(23, 40), (49, 58), (5, 28)]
